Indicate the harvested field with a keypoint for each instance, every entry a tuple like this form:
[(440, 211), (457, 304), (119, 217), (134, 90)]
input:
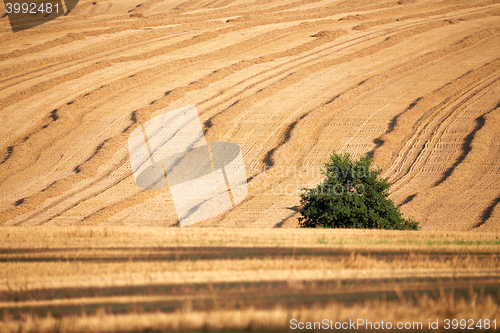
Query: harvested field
[(415, 84), (162, 279)]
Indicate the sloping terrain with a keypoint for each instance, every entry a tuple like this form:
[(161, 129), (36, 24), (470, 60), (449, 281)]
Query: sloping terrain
[(415, 84)]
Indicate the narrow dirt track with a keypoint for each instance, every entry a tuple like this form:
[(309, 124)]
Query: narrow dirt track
[(413, 84)]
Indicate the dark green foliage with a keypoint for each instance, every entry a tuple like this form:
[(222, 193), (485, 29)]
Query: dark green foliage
[(351, 196)]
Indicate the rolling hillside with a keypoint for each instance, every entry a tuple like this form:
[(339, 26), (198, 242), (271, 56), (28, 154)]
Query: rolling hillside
[(415, 84)]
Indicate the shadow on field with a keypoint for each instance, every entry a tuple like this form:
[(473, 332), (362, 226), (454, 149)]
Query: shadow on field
[(242, 295)]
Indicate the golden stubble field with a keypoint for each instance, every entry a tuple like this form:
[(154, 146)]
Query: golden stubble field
[(412, 83), (118, 279)]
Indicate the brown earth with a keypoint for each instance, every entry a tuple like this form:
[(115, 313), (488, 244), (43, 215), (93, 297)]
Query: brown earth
[(415, 84)]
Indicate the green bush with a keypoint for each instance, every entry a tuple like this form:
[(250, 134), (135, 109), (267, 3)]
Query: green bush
[(351, 196)]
